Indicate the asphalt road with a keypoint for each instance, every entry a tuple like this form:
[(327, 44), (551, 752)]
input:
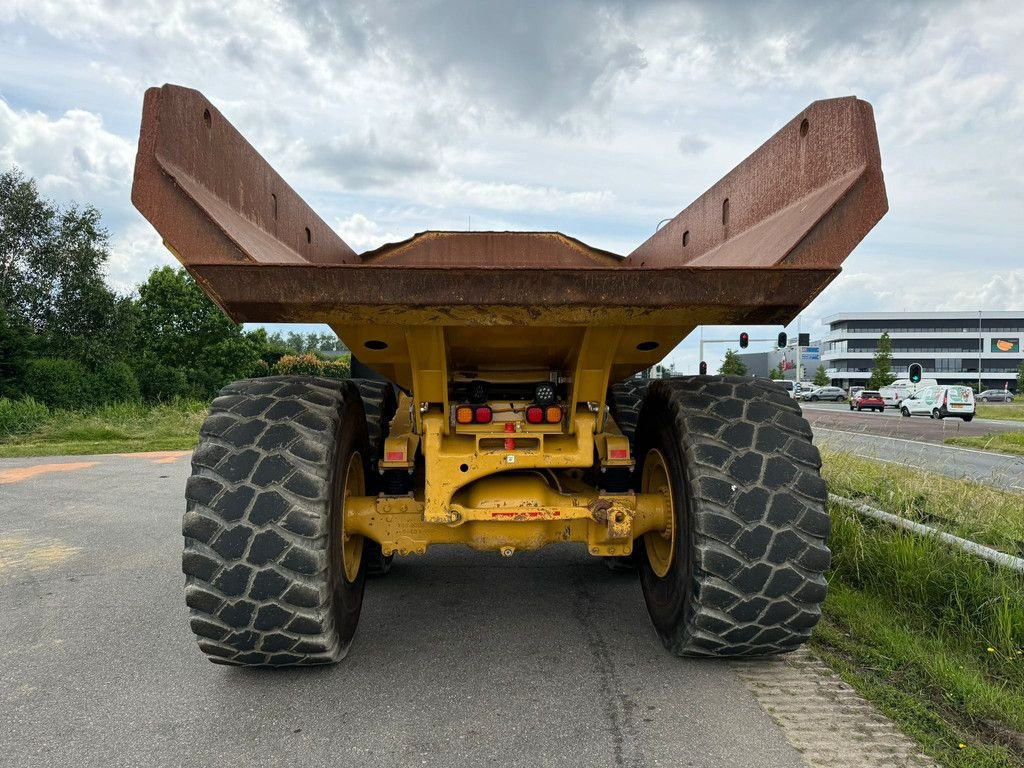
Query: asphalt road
[(544, 659), (917, 442)]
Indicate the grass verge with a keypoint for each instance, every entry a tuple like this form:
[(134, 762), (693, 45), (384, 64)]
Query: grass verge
[(932, 635), (975, 511), (1004, 442), (117, 428), (1007, 411)]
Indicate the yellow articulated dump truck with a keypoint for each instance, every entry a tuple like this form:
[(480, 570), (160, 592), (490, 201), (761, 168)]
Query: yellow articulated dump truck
[(493, 403)]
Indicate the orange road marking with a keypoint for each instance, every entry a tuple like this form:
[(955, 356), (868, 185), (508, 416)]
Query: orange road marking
[(17, 474), (34, 554), (157, 457)]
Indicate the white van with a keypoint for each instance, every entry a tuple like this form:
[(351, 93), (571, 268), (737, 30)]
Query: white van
[(899, 390), (939, 402), (789, 386)]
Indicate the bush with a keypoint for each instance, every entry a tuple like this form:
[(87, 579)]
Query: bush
[(116, 384), (58, 383), (159, 382), (308, 364), (18, 417)]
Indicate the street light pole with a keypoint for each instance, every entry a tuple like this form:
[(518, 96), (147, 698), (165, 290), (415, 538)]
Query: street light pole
[(980, 348), (799, 351)]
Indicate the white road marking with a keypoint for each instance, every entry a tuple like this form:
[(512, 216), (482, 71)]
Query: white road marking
[(993, 454)]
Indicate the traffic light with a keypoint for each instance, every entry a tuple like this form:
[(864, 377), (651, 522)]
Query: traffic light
[(703, 368), (915, 373), (744, 340), (782, 340), (804, 340)]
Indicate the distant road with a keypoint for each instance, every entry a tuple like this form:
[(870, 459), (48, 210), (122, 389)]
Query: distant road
[(917, 442), (891, 424)]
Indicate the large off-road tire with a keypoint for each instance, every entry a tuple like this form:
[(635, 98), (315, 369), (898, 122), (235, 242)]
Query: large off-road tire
[(379, 405), (269, 577), (624, 401), (743, 572)]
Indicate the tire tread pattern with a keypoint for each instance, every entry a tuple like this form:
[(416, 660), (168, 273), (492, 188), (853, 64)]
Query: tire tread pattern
[(757, 502), (255, 526)]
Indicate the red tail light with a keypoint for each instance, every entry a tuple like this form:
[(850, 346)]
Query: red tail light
[(468, 414), (535, 414)]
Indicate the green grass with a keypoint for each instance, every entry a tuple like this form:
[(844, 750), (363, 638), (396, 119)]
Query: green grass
[(1011, 411), (117, 428), (975, 511), (1004, 442), (933, 636)]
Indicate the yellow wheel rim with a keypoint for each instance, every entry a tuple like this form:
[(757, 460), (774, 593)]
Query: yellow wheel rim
[(660, 545), (352, 546)]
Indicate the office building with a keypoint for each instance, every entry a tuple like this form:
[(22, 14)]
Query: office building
[(979, 348)]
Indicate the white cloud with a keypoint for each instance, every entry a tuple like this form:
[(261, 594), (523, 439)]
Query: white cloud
[(362, 234), (72, 155), (135, 251), (516, 197), (1004, 291), (597, 119)]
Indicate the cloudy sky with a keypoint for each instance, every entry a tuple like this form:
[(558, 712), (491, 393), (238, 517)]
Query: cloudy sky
[(597, 119)]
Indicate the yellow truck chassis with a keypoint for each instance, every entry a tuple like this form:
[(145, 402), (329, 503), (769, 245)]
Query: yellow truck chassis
[(496, 405)]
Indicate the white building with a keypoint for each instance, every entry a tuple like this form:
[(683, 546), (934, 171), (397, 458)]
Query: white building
[(981, 348)]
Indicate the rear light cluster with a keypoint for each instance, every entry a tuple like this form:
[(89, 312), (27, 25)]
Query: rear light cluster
[(474, 414), (482, 414), (551, 414)]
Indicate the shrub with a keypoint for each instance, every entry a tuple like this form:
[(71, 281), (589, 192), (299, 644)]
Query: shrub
[(308, 364), (337, 369), (159, 382), (116, 384), (18, 417), (58, 383)]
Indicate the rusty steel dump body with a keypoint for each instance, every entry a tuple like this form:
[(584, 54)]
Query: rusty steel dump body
[(513, 425), (755, 248)]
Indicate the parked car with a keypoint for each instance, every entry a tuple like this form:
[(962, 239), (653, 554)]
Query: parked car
[(995, 396), (824, 393), (789, 386), (866, 398), (940, 402)]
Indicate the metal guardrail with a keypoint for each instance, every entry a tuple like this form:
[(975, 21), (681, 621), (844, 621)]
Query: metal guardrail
[(971, 547)]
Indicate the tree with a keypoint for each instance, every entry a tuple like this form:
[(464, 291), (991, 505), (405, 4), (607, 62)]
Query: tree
[(821, 378), (881, 373), (183, 337), (52, 263), (1020, 380), (14, 341), (732, 365), (25, 224), (778, 372)]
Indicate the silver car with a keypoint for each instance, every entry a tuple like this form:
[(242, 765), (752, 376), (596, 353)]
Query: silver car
[(995, 396), (824, 393)]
